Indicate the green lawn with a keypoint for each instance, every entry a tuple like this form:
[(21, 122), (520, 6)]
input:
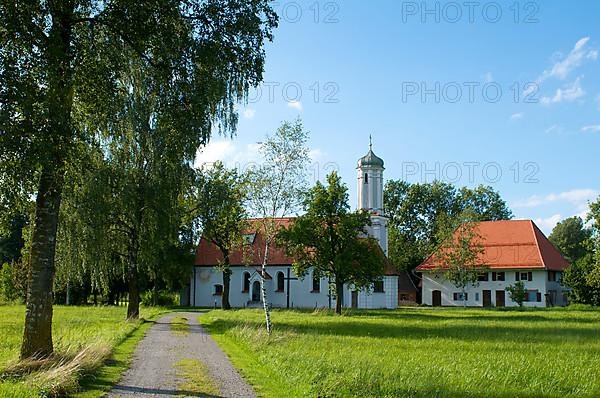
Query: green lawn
[(74, 329), (416, 352)]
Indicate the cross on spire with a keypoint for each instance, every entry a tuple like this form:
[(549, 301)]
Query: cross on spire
[(370, 142)]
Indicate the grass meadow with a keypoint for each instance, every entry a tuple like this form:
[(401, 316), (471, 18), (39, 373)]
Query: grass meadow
[(420, 352), (84, 338)]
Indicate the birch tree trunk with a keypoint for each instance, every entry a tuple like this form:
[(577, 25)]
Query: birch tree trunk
[(263, 288)]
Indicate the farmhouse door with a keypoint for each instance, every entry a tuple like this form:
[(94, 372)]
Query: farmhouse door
[(354, 299), (436, 298), (487, 298), (500, 301)]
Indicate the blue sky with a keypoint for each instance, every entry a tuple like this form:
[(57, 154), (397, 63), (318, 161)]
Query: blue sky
[(443, 90)]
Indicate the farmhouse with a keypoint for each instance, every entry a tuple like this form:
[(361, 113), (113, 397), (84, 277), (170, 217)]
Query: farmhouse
[(284, 288), (514, 250)]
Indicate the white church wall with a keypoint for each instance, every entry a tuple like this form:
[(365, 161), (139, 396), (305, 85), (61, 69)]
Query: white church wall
[(301, 294)]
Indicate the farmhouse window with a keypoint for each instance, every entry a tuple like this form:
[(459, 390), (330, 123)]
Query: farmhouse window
[(476, 296), (498, 276), (378, 287), (533, 296), (218, 290), (316, 284), (459, 296), (551, 276), (525, 276), (483, 277), (280, 282)]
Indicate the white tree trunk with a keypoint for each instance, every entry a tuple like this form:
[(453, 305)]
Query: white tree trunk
[(263, 288)]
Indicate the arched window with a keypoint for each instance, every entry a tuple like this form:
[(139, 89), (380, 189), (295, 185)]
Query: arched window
[(366, 178), (316, 284), (246, 282), (218, 290), (280, 282)]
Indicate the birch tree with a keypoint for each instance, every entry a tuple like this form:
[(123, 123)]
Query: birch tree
[(277, 187)]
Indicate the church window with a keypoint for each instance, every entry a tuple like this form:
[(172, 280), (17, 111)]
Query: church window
[(280, 282), (366, 178), (316, 284), (218, 290), (246, 282)]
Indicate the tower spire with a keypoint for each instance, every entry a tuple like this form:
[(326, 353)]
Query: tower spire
[(370, 142)]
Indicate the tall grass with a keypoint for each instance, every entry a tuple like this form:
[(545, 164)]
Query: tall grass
[(416, 352), (84, 338)]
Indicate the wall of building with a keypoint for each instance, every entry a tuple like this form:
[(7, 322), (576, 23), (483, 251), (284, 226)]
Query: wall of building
[(436, 281), (202, 290)]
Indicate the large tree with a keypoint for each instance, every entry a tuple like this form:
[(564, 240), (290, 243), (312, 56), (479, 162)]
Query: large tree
[(570, 237), (277, 186), (330, 240), (581, 245), (218, 210), (59, 64), (418, 214)]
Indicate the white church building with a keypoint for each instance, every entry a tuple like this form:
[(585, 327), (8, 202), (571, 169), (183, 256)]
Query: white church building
[(284, 288)]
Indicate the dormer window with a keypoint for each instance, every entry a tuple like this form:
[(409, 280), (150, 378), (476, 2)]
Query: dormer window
[(366, 178)]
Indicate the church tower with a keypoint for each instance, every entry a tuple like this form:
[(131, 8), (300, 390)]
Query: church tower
[(370, 195)]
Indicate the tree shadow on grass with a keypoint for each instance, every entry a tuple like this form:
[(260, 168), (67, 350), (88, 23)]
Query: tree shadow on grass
[(467, 332), (130, 390)]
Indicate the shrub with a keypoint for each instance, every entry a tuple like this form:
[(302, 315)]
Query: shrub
[(13, 285), (517, 293), (160, 298)]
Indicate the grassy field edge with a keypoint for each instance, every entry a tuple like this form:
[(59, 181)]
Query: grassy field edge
[(265, 382)]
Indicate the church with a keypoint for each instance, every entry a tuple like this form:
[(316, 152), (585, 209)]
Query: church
[(286, 290)]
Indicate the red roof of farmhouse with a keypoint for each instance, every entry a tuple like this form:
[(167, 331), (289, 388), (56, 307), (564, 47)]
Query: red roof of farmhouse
[(209, 255), (512, 244)]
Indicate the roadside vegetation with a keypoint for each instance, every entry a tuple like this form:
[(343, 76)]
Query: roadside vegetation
[(419, 352), (93, 348)]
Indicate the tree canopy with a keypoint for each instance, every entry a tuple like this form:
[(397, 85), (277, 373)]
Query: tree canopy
[(418, 214), (330, 240), (62, 64), (570, 237), (218, 211)]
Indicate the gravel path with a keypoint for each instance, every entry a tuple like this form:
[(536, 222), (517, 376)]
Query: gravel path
[(153, 372)]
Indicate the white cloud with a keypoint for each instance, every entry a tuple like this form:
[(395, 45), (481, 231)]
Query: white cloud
[(577, 197), (295, 105), (237, 155), (593, 128), (548, 224), (249, 113), (574, 59), (517, 116), (568, 93), (230, 153), (555, 128)]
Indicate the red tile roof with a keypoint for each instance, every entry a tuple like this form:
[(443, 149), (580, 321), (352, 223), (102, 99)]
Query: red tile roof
[(209, 255), (511, 244)]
